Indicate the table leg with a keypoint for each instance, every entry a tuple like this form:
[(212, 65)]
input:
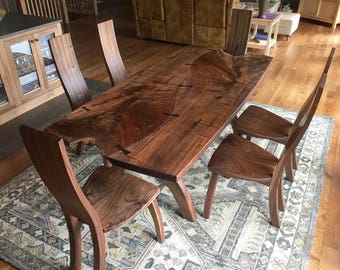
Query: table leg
[(269, 39), (183, 198), (255, 29), (276, 31)]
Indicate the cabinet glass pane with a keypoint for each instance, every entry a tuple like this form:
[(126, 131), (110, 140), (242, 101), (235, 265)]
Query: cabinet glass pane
[(3, 95), (50, 68), (25, 64)]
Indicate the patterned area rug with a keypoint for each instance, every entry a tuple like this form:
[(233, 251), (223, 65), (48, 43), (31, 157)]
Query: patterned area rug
[(238, 235)]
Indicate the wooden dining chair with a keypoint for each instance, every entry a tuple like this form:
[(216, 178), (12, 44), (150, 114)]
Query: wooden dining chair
[(240, 158), (9, 6), (239, 31), (259, 122), (107, 200), (87, 7), (69, 72), (113, 59), (46, 8)]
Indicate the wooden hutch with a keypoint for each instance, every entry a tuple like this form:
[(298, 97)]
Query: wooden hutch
[(28, 76)]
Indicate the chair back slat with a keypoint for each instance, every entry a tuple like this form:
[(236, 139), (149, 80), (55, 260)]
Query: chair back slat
[(113, 59), (9, 5), (239, 31), (69, 72), (308, 109), (46, 8), (88, 7), (305, 115), (49, 156)]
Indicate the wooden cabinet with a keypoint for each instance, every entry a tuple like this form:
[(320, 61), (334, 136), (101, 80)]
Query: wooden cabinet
[(28, 75), (179, 20), (321, 10), (199, 22), (150, 19), (210, 26)]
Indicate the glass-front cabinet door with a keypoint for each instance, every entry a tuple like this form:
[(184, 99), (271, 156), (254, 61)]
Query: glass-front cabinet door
[(28, 74), (6, 99), (25, 64), (50, 68), (34, 64), (3, 94)]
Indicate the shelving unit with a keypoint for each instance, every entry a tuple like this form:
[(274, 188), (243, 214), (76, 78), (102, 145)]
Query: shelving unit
[(28, 75)]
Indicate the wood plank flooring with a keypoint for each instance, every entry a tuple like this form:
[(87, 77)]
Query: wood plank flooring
[(292, 75)]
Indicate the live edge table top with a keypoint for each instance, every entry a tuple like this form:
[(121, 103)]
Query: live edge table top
[(159, 121)]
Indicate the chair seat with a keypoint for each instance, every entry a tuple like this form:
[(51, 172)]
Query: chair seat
[(258, 122), (130, 195), (239, 158)]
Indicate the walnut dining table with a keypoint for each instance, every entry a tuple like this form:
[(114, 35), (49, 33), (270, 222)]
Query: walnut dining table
[(160, 121)]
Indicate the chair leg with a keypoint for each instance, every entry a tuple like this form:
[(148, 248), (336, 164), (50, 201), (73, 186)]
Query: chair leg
[(289, 168), (107, 163), (233, 124), (294, 160), (210, 195), (273, 206), (281, 201), (157, 219), (99, 250), (74, 229), (80, 148)]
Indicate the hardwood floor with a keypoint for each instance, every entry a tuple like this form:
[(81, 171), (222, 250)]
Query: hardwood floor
[(294, 72)]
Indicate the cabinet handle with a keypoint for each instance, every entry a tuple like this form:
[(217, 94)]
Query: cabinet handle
[(34, 40)]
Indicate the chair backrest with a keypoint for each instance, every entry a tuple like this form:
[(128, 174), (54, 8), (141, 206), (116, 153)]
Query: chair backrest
[(49, 156), (239, 31), (301, 124), (46, 8), (69, 72), (9, 5), (308, 109), (114, 62), (88, 7)]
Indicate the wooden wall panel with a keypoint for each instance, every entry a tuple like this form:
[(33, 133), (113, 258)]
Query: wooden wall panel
[(207, 36), (145, 28), (150, 9), (210, 13), (179, 20), (158, 30)]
